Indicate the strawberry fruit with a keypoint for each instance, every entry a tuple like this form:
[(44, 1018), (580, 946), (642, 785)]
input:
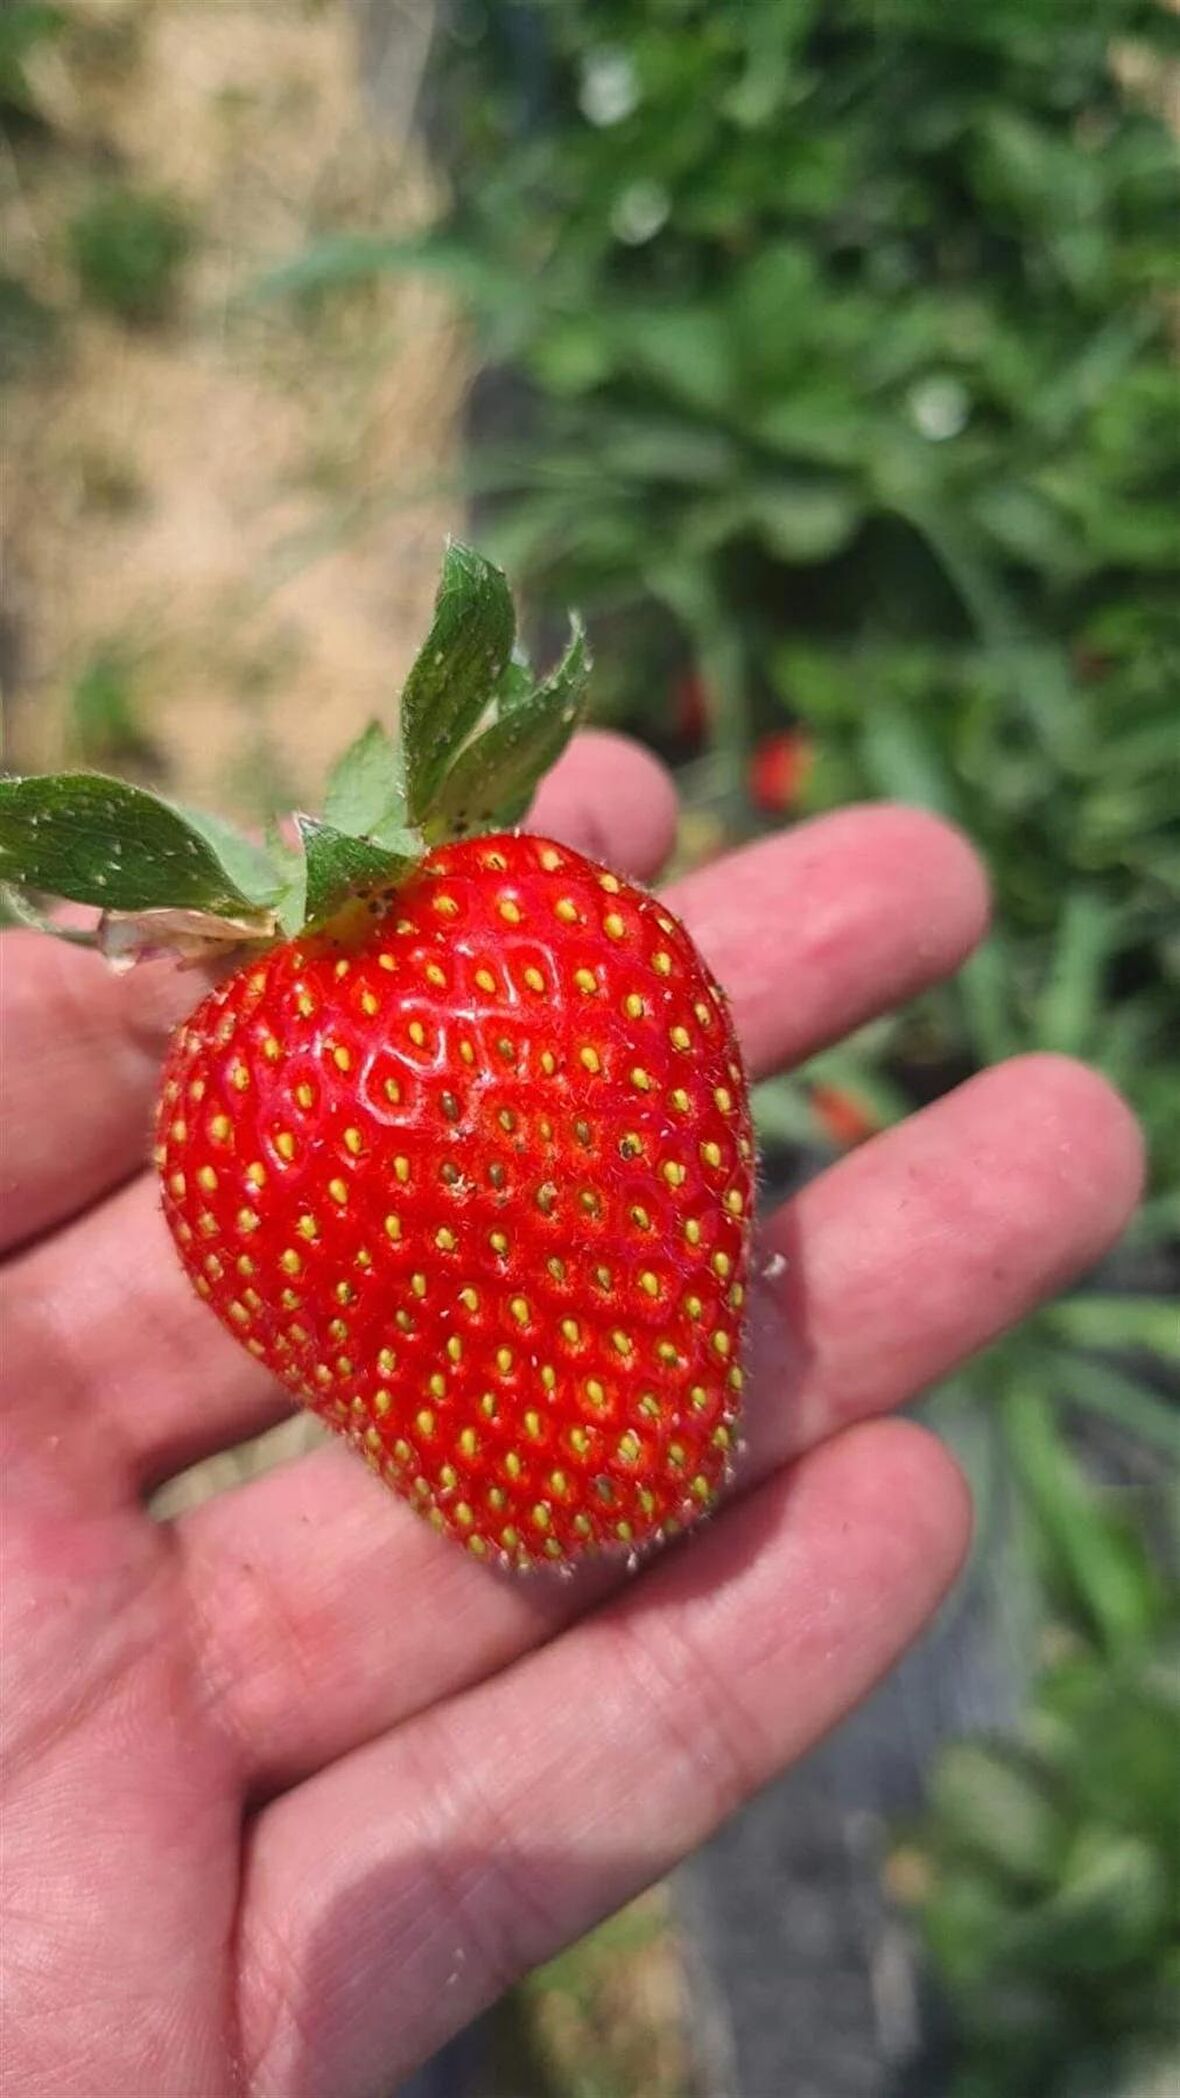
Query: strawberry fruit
[(465, 1158)]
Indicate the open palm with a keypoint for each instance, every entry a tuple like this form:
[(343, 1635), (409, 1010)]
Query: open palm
[(291, 1786)]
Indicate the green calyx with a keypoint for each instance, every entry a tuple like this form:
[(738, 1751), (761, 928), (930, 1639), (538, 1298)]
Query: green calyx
[(476, 733)]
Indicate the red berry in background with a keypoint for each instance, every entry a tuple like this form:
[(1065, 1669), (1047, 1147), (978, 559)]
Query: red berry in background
[(691, 711), (778, 771), (844, 1120), (460, 1149)]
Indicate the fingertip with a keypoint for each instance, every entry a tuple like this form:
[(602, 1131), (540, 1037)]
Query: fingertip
[(1084, 1122), (914, 847), (916, 1472), (610, 798)]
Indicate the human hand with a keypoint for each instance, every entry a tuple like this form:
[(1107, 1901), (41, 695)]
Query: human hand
[(292, 1787)]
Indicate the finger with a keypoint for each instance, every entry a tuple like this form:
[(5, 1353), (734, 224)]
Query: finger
[(818, 929), (82, 1046), (920, 1248), (106, 1346), (388, 1900), (612, 800), (81, 1051), (900, 1262)]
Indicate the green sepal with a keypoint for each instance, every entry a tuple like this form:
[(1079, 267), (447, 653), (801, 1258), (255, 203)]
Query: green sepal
[(457, 671), (250, 867), (495, 778), (291, 861), (516, 682), (366, 792), (100, 841), (337, 866)]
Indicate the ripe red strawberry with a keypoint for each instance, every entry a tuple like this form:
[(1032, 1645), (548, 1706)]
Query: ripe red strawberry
[(844, 1119), (473, 1177), (778, 771), (461, 1151)]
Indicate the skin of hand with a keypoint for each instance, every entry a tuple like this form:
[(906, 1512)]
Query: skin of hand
[(292, 1788)]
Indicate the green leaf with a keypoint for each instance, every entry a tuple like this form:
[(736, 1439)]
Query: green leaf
[(1109, 1321), (902, 759), (457, 670), (1069, 1007), (1103, 1565), (99, 841), (1109, 1391), (985, 986), (1110, 1910), (686, 350), (992, 1804), (496, 777), (339, 865), (366, 791)]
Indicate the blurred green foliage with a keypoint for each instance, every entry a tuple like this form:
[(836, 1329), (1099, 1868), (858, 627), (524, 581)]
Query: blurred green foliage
[(128, 247), (848, 378), (105, 727), (24, 25), (1047, 1869)]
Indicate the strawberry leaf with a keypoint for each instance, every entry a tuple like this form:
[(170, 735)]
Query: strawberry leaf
[(516, 682), (456, 672), (339, 865), (366, 790), (495, 778), (99, 841)]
